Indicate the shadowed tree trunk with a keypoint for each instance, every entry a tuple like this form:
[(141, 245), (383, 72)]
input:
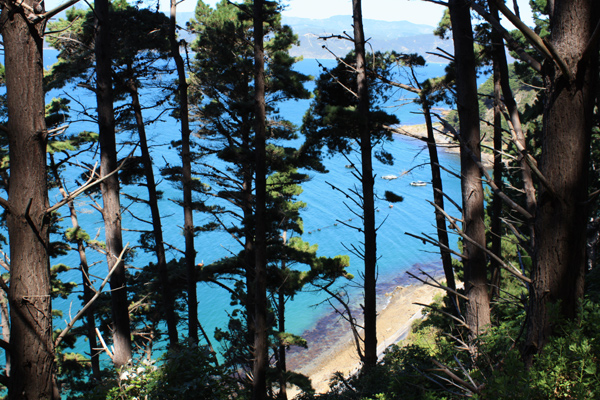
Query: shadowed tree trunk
[(168, 301), (281, 359), (261, 362), (438, 198), (186, 180), (500, 62), (370, 251), (478, 306), (32, 349), (111, 210), (496, 214), (436, 176), (560, 223)]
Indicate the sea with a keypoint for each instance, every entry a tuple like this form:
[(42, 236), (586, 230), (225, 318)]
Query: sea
[(326, 216)]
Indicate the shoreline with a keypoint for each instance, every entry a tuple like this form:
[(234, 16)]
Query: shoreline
[(444, 141), (334, 349)]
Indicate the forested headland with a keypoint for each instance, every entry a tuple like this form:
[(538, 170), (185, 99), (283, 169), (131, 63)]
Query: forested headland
[(518, 313)]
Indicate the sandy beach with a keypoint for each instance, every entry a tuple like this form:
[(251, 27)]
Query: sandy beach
[(339, 352), (331, 346)]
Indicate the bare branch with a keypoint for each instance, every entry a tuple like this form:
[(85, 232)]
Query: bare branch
[(460, 321), (4, 204), (54, 11), (455, 204), (65, 29), (512, 44), (89, 184), (104, 346), (436, 284), (436, 243), (349, 318), (504, 265), (452, 375), (438, 2), (344, 37), (64, 332), (340, 83)]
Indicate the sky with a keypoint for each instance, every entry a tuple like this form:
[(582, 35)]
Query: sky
[(416, 11)]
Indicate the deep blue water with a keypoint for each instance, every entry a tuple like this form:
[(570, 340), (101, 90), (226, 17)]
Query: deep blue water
[(397, 251)]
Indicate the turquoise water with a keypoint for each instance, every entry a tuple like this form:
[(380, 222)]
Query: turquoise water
[(396, 250)]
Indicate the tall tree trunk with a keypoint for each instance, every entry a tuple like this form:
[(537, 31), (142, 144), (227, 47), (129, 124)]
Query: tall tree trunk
[(496, 214), (249, 259), (261, 349), (111, 211), (32, 348), (499, 56), (281, 359), (281, 356), (159, 247), (478, 306), (560, 222), (370, 284), (438, 199), (186, 180)]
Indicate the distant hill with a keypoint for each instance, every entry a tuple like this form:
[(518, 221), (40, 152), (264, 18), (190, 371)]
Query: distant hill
[(402, 36)]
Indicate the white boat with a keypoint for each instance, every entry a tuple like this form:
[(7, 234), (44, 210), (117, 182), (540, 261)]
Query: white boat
[(389, 177), (418, 183)]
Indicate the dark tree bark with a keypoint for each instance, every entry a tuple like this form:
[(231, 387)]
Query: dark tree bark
[(168, 301), (261, 363), (281, 357), (500, 62), (438, 199), (370, 250), (560, 223), (249, 240), (111, 211), (32, 349), (496, 214), (186, 180), (478, 306)]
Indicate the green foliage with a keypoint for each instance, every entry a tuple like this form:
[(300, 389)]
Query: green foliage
[(444, 26), (332, 120), (565, 369), (186, 373), (288, 339), (190, 373), (139, 39), (57, 111), (59, 288), (77, 234)]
